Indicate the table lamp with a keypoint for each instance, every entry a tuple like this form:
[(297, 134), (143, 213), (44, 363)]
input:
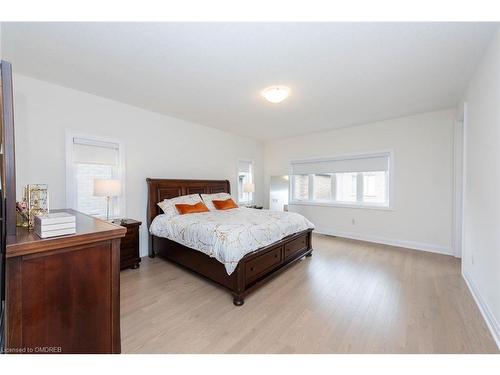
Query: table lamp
[(108, 189), (249, 188)]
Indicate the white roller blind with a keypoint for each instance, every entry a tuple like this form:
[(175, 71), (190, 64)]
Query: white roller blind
[(379, 162), (244, 166), (95, 152)]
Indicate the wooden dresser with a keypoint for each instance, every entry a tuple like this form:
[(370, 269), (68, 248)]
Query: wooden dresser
[(63, 293)]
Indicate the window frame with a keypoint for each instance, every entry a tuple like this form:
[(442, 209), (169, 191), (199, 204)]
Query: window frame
[(252, 174), (71, 199), (359, 188)]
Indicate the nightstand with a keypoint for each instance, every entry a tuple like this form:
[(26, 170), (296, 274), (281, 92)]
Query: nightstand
[(129, 247)]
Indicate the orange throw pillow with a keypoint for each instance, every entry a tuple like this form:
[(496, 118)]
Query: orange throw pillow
[(184, 208), (225, 205)]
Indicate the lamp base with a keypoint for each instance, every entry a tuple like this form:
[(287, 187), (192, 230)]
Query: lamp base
[(108, 198)]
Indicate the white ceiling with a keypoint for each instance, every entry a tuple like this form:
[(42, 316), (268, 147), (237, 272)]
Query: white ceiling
[(340, 74)]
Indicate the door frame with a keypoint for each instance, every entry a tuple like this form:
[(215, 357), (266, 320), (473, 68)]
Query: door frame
[(459, 138)]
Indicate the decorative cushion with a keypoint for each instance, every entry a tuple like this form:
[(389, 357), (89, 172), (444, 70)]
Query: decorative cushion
[(191, 208), (168, 205), (224, 205), (208, 198)]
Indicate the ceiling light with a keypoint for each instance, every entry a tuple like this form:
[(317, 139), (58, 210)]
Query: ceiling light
[(276, 94)]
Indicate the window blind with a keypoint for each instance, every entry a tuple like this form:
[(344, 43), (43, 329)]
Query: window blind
[(244, 166), (373, 163), (87, 151)]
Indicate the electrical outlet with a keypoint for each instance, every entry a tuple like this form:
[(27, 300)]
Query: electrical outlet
[(472, 259), (353, 221)]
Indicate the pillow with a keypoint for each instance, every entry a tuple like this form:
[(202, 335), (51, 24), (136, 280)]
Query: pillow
[(168, 205), (224, 205), (184, 208), (208, 198)]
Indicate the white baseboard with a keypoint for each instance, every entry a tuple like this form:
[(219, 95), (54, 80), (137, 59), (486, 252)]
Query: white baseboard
[(388, 241), (488, 316)]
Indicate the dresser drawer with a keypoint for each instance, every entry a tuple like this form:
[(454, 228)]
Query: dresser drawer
[(129, 246), (263, 263), (131, 236), (294, 246), (130, 241), (128, 252)]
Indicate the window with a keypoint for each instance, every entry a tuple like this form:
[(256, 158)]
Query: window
[(346, 187), (300, 187), (90, 158), (245, 178), (85, 175), (322, 185), (374, 187), (361, 180)]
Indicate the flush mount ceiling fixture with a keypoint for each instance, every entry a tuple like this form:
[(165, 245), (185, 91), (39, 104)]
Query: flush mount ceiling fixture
[(276, 94)]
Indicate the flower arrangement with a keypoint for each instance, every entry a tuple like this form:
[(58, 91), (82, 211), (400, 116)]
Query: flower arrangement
[(22, 214)]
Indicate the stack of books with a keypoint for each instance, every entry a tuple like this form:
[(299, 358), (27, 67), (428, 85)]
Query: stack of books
[(55, 224)]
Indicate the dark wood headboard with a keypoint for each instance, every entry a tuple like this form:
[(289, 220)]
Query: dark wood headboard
[(160, 189)]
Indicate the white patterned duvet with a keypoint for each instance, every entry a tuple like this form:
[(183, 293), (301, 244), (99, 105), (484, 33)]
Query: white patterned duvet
[(230, 234)]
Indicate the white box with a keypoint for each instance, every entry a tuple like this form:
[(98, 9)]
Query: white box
[(55, 233), (55, 224), (55, 218)]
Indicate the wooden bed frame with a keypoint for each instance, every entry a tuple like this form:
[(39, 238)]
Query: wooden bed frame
[(253, 269)]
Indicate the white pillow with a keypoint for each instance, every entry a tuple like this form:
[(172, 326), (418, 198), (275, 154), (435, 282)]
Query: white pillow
[(208, 198), (168, 205)]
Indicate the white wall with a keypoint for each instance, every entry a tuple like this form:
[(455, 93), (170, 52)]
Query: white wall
[(156, 145), (481, 251), (422, 146)]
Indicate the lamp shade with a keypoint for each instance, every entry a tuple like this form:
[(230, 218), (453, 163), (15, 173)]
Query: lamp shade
[(107, 188), (249, 188)]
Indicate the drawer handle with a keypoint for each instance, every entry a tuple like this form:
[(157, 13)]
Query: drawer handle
[(275, 255), (252, 269)]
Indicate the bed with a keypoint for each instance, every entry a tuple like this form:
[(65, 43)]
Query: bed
[(250, 272)]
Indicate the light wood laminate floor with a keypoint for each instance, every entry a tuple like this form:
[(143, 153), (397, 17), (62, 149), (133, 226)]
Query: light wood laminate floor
[(349, 297)]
